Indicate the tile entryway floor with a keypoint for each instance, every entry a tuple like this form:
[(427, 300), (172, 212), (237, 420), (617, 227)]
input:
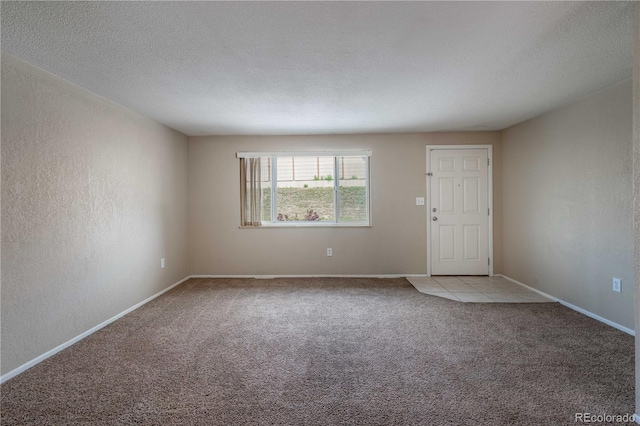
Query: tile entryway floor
[(476, 289)]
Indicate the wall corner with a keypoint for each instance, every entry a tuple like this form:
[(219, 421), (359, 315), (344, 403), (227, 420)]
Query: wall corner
[(636, 186)]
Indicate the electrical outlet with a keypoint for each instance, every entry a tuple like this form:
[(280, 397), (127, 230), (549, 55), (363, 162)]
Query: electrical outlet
[(617, 285), (329, 252), (419, 201), (162, 262)]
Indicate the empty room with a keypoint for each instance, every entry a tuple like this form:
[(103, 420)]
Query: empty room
[(312, 213)]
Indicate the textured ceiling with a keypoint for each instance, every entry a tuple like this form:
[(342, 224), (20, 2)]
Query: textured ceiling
[(333, 67)]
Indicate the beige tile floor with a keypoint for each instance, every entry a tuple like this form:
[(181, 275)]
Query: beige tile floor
[(476, 289)]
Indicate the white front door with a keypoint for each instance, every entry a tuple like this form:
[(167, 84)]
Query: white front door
[(459, 211)]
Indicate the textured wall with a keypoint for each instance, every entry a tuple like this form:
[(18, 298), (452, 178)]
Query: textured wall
[(568, 203), (396, 244), (93, 195), (636, 184)]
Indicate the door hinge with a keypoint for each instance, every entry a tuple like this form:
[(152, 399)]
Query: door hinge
[(489, 261), (489, 212), (429, 174), (488, 161)]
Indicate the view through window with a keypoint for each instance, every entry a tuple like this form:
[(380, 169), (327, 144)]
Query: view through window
[(322, 189)]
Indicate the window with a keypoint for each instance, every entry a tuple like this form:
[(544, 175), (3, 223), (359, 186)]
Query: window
[(308, 189)]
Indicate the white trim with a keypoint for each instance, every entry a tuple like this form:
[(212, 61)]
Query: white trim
[(358, 153), (637, 418), (491, 206), (268, 277), (368, 190), (574, 307), (308, 224), (79, 337), (489, 149), (274, 186), (542, 293), (336, 192)]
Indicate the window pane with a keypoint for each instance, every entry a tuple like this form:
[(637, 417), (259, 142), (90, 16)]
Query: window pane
[(265, 171), (305, 189), (353, 188)]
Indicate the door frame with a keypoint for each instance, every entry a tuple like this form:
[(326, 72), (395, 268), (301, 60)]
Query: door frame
[(489, 149)]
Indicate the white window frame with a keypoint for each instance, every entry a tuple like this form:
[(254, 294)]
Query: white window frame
[(273, 156)]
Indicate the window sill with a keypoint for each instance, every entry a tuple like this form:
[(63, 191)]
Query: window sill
[(308, 225)]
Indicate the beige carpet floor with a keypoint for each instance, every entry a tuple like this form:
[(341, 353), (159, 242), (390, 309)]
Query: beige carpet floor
[(329, 352)]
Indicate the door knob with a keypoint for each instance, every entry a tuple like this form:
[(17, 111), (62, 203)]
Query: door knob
[(434, 218)]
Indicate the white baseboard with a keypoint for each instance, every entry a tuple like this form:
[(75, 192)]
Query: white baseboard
[(79, 337), (574, 307), (268, 277)]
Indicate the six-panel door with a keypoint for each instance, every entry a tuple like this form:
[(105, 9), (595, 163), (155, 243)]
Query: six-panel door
[(459, 213)]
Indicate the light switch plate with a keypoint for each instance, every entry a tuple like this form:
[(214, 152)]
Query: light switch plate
[(419, 201)]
